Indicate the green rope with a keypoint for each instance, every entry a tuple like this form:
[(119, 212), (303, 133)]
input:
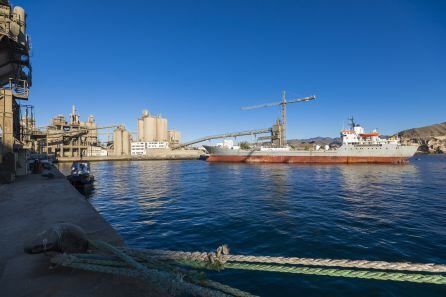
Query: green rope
[(100, 263), (364, 274)]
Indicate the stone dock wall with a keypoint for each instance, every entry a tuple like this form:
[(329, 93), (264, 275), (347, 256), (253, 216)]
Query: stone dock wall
[(32, 204), (164, 155)]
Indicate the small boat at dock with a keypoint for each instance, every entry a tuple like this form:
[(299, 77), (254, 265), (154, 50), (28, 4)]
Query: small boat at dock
[(80, 174)]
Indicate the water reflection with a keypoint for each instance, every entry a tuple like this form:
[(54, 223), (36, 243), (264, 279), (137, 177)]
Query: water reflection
[(357, 177), (377, 197)]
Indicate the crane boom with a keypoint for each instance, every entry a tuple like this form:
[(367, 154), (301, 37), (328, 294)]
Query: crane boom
[(261, 106), (283, 105), (279, 103)]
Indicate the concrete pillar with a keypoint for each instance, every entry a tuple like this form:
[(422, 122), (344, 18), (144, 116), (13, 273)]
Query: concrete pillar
[(7, 119), (8, 159), (22, 165)]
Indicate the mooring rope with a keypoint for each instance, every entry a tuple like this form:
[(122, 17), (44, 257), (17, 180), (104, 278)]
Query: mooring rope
[(101, 263), (179, 272), (175, 283), (166, 278), (358, 264), (363, 274)]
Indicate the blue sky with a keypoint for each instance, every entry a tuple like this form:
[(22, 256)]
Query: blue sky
[(198, 62)]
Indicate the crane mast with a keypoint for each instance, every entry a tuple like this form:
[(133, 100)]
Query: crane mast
[(283, 132)]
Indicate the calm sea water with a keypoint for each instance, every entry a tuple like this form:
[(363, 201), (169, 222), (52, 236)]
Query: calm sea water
[(373, 212)]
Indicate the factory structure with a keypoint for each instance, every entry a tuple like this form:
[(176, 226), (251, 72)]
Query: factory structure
[(73, 138), (15, 80)]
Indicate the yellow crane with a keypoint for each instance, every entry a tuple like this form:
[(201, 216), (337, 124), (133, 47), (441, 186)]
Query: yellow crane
[(283, 105)]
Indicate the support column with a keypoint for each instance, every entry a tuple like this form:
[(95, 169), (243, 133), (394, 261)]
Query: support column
[(7, 120), (8, 160)]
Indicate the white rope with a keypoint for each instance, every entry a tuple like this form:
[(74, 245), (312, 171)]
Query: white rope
[(361, 264)]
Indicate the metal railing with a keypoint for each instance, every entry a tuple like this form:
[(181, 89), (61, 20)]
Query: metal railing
[(19, 88)]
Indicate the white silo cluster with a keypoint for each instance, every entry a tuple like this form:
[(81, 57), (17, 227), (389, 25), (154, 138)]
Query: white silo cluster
[(153, 134), (152, 128)]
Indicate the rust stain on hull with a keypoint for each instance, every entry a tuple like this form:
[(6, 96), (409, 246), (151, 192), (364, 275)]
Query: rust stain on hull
[(307, 159)]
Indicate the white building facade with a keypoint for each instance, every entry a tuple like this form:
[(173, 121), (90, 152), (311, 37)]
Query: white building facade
[(142, 148)]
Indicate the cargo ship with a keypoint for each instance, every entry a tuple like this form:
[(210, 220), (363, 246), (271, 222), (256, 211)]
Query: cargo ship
[(357, 147)]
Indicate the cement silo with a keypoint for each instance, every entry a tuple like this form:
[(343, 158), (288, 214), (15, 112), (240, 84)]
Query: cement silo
[(161, 129), (18, 25), (164, 135), (117, 141), (141, 129), (150, 128), (121, 141), (126, 138)]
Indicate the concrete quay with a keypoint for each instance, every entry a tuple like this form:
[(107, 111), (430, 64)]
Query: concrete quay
[(163, 155), (34, 203)]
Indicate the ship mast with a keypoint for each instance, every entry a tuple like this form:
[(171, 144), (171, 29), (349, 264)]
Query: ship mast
[(352, 123), (283, 104)]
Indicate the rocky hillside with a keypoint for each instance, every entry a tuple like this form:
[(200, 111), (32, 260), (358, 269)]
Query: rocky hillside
[(427, 132), (432, 139)]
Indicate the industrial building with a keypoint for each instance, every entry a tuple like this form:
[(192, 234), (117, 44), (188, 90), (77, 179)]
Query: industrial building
[(72, 138), (15, 80), (174, 136), (142, 148)]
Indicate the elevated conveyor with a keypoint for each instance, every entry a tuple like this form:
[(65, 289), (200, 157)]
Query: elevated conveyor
[(226, 135)]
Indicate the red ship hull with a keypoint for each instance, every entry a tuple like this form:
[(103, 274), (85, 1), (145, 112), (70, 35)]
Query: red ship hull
[(307, 159)]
